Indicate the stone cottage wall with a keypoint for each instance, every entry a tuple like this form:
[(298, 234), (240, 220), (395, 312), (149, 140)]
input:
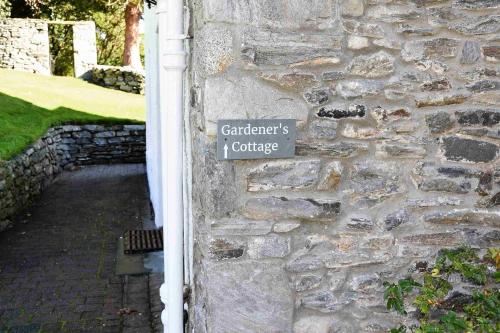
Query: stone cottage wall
[(119, 78), (397, 105), (24, 177), (24, 45)]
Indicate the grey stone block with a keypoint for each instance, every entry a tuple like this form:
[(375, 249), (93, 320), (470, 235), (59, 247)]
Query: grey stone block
[(248, 296), (244, 97)]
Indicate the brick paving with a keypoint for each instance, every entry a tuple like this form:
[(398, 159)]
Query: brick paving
[(156, 306), (57, 264)]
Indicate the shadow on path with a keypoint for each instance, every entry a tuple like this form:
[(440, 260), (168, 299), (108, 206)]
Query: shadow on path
[(57, 264)]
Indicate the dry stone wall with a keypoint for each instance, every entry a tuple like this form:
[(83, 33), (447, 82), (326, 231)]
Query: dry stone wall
[(84, 42), (119, 78), (24, 177), (24, 45), (397, 108)]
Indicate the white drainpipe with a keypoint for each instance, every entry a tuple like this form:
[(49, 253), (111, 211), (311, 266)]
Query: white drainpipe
[(172, 65)]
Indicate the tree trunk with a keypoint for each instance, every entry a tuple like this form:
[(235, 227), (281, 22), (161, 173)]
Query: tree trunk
[(131, 52)]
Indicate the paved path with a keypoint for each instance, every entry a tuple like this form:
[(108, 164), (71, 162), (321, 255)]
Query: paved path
[(57, 264)]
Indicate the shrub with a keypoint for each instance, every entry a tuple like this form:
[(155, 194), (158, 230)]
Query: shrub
[(442, 306)]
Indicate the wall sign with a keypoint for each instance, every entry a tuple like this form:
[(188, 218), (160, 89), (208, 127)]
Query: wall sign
[(245, 139)]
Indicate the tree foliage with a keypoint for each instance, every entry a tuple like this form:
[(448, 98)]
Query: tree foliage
[(65, 9), (61, 50), (110, 38), (5, 8)]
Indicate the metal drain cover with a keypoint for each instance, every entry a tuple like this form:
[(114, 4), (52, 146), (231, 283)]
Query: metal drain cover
[(142, 241)]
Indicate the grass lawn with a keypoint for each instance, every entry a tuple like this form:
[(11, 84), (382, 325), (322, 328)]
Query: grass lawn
[(30, 104)]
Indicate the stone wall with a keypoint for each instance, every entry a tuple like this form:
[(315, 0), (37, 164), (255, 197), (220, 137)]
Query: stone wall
[(397, 105), (119, 78), (24, 177), (24, 45), (84, 44)]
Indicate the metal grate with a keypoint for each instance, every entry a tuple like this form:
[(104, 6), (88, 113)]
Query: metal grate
[(142, 241)]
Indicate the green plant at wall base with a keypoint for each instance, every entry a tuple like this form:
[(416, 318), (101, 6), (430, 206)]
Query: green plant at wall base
[(440, 307), (395, 292)]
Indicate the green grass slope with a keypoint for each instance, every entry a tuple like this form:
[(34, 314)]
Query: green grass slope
[(30, 104)]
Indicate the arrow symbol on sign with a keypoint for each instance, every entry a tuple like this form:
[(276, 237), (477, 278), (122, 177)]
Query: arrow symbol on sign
[(225, 151)]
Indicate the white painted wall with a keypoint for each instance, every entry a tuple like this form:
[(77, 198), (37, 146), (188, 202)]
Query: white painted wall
[(153, 111)]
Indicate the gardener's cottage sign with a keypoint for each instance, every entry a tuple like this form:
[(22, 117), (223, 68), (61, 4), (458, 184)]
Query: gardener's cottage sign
[(244, 139)]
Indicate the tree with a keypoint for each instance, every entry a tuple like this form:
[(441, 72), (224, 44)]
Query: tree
[(131, 52), (110, 38), (21, 9), (5, 8)]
